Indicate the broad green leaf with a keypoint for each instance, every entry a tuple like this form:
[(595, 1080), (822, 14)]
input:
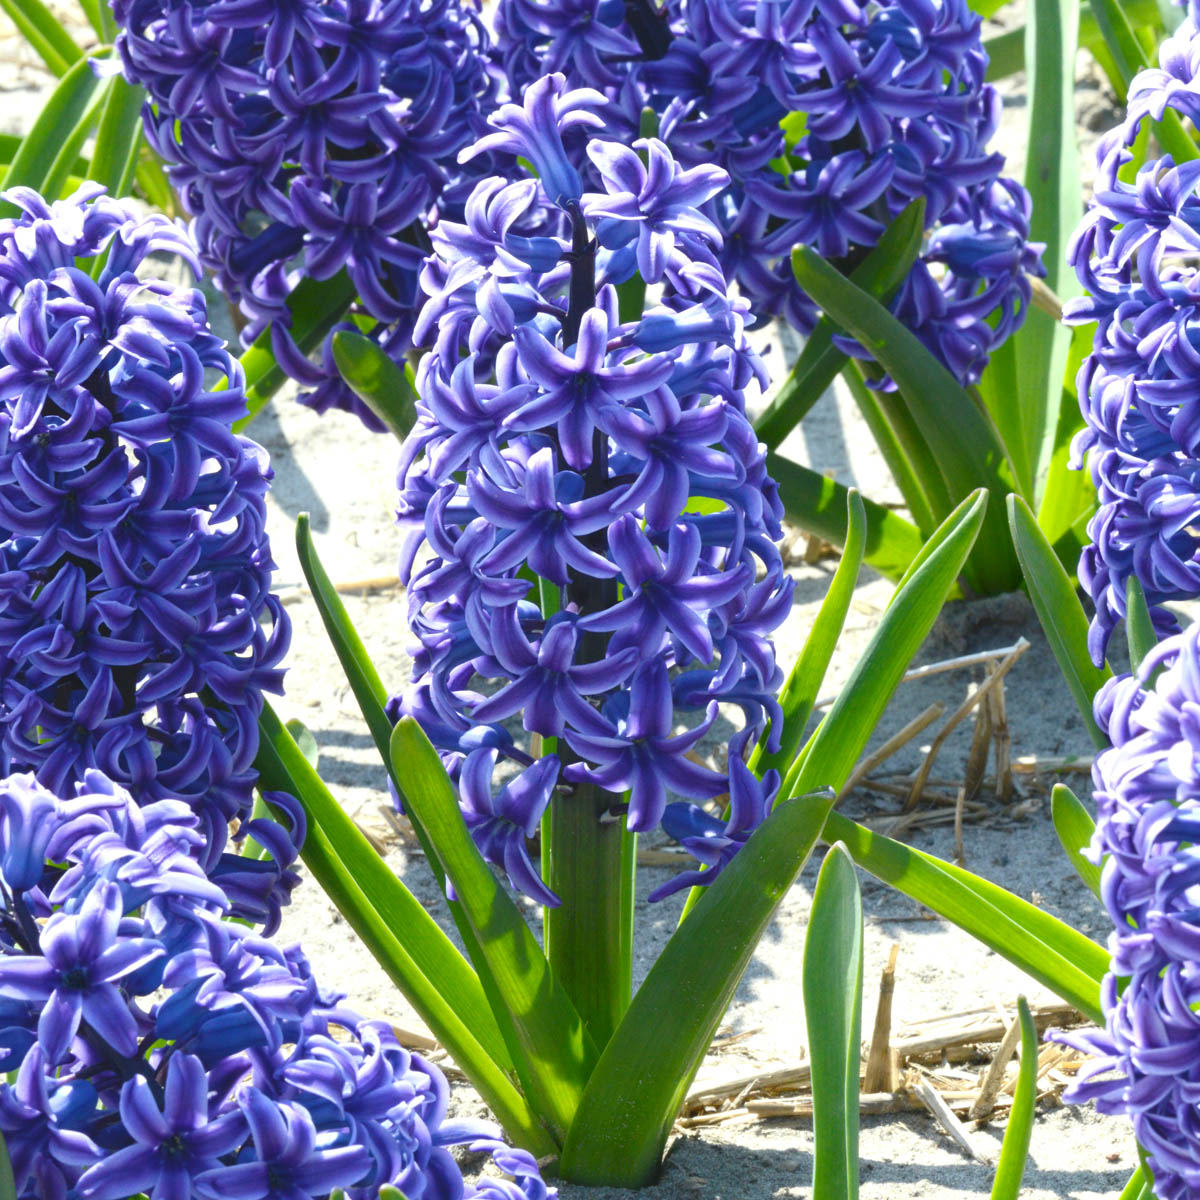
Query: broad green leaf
[(833, 971), (118, 138), (371, 696), (1006, 54), (1050, 951), (151, 177), (556, 1052), (907, 454), (8, 1186), (819, 504), (880, 274), (1014, 1153), (316, 306), (800, 690), (961, 438), (10, 143), (637, 1087), (1139, 1187), (49, 150), (838, 741), (44, 33), (1068, 495), (1074, 826), (1059, 611), (438, 982), (305, 742), (91, 10), (1139, 625), (1053, 182), (988, 8), (385, 388)]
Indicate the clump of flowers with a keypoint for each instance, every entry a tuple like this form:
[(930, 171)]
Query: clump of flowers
[(604, 449), (829, 117), (153, 1046), (137, 626), (307, 139), (1135, 253), (1148, 840)]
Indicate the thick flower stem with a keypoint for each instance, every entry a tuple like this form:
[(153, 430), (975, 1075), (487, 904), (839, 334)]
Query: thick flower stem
[(589, 937)]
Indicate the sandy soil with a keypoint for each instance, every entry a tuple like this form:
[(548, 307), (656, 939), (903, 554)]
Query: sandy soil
[(344, 477)]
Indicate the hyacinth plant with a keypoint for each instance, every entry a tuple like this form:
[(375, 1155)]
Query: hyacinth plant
[(590, 530)]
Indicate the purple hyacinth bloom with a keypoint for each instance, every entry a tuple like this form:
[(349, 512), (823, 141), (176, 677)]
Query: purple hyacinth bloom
[(1145, 1063), (607, 453), (501, 823), (77, 978), (138, 631), (894, 105), (310, 140), (159, 1047), (713, 842), (1134, 254), (173, 1141)]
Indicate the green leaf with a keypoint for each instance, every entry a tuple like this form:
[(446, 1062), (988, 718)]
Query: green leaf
[(1014, 1153), (644, 1072), (900, 444), (960, 437), (1047, 949), (386, 389), (371, 696), (1059, 611), (556, 1051), (118, 138), (1068, 496), (8, 1186), (838, 742), (803, 684), (880, 274), (305, 742), (1074, 826), (10, 143), (1139, 625), (819, 504), (833, 970), (1139, 1187), (44, 33), (407, 942), (1053, 181), (316, 306), (50, 149), (1006, 54)]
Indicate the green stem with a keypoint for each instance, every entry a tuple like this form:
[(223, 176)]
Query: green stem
[(589, 937)]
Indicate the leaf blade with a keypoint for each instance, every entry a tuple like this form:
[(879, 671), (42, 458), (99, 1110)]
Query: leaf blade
[(643, 1074), (832, 983), (1059, 611), (557, 1050), (1014, 1151), (425, 965), (49, 150), (54, 46), (1074, 826), (1072, 967), (377, 381)]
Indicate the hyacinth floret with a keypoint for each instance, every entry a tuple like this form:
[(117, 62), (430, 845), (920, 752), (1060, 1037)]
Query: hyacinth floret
[(154, 1046), (829, 118), (1147, 793), (138, 630), (602, 445), (309, 139), (1135, 253)]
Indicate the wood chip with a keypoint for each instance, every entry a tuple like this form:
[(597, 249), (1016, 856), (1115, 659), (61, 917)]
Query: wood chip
[(945, 1117), (882, 1067)]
